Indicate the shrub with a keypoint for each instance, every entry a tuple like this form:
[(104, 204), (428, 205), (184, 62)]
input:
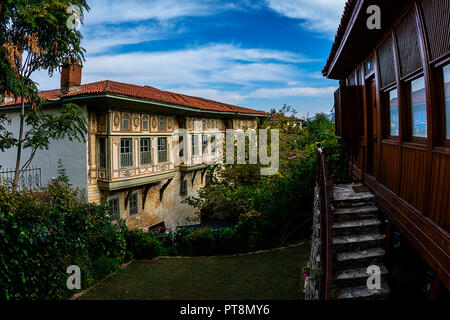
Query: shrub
[(147, 246), (252, 228), (104, 266), (44, 232), (227, 240), (200, 242)]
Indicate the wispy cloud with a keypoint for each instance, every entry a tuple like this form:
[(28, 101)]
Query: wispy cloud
[(99, 39), (119, 11), (291, 92), (320, 16), (214, 63)]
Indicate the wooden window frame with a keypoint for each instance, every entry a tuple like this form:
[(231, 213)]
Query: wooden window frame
[(408, 108), (205, 144), (162, 120), (130, 204), (99, 162), (195, 145), (386, 113), (145, 119), (149, 146), (126, 117), (438, 74), (121, 152), (166, 151)]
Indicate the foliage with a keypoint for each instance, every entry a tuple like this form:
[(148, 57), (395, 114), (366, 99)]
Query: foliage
[(103, 266), (284, 200), (200, 242), (44, 232), (147, 246), (34, 35), (252, 227)]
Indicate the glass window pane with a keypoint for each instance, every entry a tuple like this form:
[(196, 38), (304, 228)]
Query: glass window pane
[(194, 145), (393, 106), (418, 108), (162, 150), (204, 144), (447, 100)]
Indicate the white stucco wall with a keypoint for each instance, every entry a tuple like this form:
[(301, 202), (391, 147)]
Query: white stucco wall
[(73, 154)]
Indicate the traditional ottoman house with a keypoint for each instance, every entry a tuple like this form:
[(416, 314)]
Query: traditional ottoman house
[(393, 116), (129, 159)]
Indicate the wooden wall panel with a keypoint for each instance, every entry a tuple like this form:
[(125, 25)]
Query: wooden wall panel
[(408, 45), (386, 62), (437, 17), (439, 209), (390, 166), (413, 179)]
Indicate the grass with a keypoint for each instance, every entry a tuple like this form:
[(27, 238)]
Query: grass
[(269, 275)]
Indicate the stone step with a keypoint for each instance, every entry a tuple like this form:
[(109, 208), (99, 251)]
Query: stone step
[(355, 227), (354, 213), (368, 199), (357, 277), (359, 259), (363, 293), (344, 196), (357, 242)]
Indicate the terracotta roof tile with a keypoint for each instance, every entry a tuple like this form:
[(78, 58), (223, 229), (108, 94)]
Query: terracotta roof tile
[(146, 93)]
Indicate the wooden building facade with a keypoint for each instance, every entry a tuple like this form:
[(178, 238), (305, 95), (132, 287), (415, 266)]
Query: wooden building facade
[(394, 99)]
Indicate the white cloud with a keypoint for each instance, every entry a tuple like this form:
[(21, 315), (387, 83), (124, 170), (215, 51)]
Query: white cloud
[(215, 63), (99, 39), (321, 16), (292, 92), (213, 94), (119, 11)]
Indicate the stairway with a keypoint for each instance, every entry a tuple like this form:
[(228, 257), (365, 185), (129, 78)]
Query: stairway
[(357, 243)]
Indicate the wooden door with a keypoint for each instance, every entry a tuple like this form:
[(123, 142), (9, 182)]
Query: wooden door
[(372, 128)]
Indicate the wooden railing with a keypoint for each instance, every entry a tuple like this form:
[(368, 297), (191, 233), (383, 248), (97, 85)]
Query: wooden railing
[(326, 241), (334, 165)]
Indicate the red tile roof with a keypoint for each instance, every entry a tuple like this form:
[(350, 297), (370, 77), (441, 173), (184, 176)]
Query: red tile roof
[(345, 19), (146, 93)]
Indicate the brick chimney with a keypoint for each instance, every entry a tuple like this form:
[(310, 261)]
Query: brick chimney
[(70, 78)]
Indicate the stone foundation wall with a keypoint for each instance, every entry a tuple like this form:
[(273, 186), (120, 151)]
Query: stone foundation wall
[(170, 210), (312, 285)]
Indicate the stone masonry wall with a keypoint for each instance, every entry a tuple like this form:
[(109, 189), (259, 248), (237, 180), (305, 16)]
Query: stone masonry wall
[(312, 285)]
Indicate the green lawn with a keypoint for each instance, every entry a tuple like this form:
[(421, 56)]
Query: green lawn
[(269, 275)]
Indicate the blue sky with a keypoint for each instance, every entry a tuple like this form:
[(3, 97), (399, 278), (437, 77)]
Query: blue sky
[(259, 54)]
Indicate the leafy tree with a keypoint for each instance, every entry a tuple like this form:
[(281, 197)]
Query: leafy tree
[(284, 200), (34, 35)]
